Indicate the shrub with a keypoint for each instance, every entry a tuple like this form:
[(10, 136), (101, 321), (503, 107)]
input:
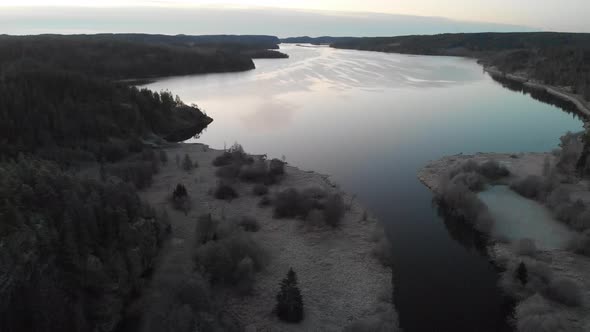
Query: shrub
[(526, 247), (473, 181), (214, 259), (493, 170), (264, 201), (276, 167), (227, 254), (206, 229), (315, 218), (228, 172), (460, 202), (140, 173), (383, 320), (582, 221), (222, 160), (558, 196), (521, 274), (334, 210), (249, 224), (535, 315), (290, 204), (255, 172), (532, 186), (235, 155), (383, 251), (175, 301), (469, 166), (289, 305), (187, 163), (113, 151), (490, 169), (565, 291), (163, 157), (571, 150), (225, 191), (581, 244), (276, 170), (260, 189), (244, 275)]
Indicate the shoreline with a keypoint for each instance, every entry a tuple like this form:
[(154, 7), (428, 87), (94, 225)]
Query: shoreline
[(340, 280), (557, 92), (558, 262)]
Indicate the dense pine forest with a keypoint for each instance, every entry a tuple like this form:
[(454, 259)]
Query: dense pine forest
[(76, 249), (114, 58), (72, 115)]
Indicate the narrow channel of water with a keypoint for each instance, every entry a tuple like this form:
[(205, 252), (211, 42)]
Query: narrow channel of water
[(371, 120)]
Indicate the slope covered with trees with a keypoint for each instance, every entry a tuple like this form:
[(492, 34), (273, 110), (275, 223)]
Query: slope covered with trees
[(72, 250), (115, 59), (46, 109), (76, 249), (252, 46)]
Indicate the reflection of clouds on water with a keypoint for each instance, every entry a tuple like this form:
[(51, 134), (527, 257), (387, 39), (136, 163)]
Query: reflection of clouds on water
[(270, 115)]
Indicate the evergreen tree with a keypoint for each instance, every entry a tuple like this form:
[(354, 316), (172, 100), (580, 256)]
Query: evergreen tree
[(522, 274), (289, 306), (187, 163)]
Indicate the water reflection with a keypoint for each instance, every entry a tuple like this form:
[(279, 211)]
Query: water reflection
[(539, 94), (517, 217), (461, 231), (270, 115)]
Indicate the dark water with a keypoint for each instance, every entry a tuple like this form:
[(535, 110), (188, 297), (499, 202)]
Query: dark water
[(371, 120)]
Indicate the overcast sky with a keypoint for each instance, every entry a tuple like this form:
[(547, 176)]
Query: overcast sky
[(293, 17)]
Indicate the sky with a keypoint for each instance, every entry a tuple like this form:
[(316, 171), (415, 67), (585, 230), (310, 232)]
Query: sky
[(322, 17)]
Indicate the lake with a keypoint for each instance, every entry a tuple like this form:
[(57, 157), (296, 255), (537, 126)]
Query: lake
[(371, 120)]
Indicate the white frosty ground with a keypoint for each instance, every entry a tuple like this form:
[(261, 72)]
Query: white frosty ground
[(340, 280), (535, 312)]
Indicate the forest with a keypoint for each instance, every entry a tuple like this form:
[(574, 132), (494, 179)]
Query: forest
[(76, 249), (252, 46), (53, 112), (115, 59)]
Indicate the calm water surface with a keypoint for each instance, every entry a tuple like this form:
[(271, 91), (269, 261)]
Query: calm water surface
[(371, 120), (517, 217)]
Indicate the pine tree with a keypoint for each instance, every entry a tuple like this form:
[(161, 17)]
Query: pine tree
[(522, 274), (289, 306), (187, 163)]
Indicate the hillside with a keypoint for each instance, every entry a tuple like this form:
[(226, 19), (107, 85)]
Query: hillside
[(115, 59), (75, 250)]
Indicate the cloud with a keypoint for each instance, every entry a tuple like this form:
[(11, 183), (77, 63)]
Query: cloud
[(281, 22)]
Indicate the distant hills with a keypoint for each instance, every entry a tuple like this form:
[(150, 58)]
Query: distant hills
[(324, 40)]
